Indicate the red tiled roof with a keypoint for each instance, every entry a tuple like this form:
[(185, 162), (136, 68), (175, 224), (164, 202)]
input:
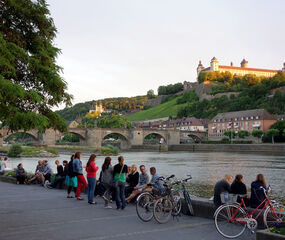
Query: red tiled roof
[(249, 69)]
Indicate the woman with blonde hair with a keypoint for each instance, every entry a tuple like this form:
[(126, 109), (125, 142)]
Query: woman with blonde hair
[(220, 187), (132, 180)]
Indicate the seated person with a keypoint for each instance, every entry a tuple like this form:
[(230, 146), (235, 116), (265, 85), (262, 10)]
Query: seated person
[(132, 180), (238, 187), (38, 172), (61, 174), (222, 186), (20, 174), (46, 173), (143, 183), (257, 191)]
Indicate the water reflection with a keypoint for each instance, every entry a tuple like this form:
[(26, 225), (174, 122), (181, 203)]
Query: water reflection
[(205, 167)]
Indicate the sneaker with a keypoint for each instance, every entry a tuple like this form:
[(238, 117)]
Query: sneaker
[(108, 207), (105, 199), (49, 186)]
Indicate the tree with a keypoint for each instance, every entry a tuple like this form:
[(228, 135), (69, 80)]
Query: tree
[(283, 132), (115, 121), (230, 134), (272, 133), (257, 133), (242, 134), (150, 94), (29, 76)]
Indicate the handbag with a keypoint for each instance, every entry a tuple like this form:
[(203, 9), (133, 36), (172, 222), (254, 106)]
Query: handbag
[(116, 183)]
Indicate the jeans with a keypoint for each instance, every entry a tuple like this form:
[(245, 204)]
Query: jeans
[(81, 185), (120, 195), (107, 192), (59, 180), (91, 188)]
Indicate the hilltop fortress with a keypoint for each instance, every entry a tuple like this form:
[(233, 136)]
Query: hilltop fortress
[(240, 71), (203, 90)]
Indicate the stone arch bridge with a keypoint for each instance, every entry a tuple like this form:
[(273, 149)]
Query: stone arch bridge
[(95, 136)]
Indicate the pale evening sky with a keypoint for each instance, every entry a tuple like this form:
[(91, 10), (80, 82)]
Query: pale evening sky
[(123, 48)]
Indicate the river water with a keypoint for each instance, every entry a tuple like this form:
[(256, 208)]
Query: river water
[(206, 168)]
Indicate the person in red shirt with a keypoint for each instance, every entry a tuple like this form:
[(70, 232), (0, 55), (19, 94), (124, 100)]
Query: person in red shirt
[(91, 170)]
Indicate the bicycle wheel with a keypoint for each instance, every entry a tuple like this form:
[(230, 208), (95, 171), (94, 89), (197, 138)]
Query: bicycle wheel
[(144, 206), (177, 204), (229, 222), (188, 202), (162, 210), (274, 215)]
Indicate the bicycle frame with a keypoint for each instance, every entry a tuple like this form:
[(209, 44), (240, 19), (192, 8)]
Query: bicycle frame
[(266, 203)]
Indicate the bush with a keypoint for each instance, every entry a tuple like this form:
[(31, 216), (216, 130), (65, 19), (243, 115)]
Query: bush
[(15, 150), (51, 150), (109, 150)]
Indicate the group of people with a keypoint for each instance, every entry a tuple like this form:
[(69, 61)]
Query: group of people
[(42, 173), (124, 183), (237, 186), (118, 182)]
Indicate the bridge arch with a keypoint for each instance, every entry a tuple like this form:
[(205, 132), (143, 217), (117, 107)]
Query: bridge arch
[(116, 139), (196, 138), (153, 137), (32, 134), (80, 132)]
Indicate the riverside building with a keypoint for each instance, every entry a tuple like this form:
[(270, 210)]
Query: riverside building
[(241, 120)]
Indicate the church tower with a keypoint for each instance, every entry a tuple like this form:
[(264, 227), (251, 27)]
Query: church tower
[(214, 64)]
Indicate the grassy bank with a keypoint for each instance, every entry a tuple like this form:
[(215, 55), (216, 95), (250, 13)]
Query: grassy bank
[(166, 109)]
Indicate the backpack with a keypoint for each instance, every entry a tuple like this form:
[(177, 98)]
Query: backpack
[(70, 172)]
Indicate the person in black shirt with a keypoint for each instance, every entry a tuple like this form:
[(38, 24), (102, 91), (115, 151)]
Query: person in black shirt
[(120, 173), (61, 174), (257, 191), (132, 180), (222, 186), (238, 187)]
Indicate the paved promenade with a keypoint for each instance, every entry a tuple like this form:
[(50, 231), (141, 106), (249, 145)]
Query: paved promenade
[(33, 212)]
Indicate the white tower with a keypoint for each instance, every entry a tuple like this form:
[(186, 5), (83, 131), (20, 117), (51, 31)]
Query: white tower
[(214, 64)]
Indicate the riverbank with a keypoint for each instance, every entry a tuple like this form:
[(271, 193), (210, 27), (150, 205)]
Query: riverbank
[(270, 148)]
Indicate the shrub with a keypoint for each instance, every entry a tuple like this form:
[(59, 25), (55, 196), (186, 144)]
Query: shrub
[(109, 150), (15, 150), (51, 150)]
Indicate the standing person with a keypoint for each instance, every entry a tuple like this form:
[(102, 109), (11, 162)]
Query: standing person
[(91, 170), (1, 158), (70, 179), (222, 186), (119, 173), (238, 187), (78, 170), (107, 180), (20, 174), (132, 180), (257, 191)]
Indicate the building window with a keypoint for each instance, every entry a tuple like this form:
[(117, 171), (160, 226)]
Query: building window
[(246, 118), (257, 117), (251, 117)]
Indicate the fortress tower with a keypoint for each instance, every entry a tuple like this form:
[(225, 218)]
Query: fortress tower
[(214, 64)]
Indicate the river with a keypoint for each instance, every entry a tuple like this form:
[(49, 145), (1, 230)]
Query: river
[(206, 168)]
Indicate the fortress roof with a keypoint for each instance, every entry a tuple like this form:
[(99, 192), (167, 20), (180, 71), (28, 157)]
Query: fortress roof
[(248, 69)]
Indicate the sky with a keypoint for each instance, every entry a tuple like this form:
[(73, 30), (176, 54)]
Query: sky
[(123, 48)]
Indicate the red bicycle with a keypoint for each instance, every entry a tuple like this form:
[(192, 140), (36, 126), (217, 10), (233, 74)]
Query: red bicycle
[(231, 219)]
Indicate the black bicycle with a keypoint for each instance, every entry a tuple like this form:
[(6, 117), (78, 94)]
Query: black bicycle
[(145, 201), (169, 205)]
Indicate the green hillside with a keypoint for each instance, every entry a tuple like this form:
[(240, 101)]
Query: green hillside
[(166, 109)]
